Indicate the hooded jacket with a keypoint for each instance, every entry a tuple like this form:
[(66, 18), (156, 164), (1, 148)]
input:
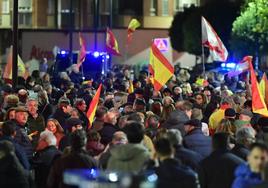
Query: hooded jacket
[(245, 178), (128, 158)]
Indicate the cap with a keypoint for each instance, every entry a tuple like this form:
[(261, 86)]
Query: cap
[(21, 109), (194, 122), (229, 112), (247, 113), (73, 122)]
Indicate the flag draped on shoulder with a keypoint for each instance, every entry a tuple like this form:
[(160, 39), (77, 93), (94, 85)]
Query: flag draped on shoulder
[(159, 67), (22, 71), (264, 88), (211, 40), (82, 53), (241, 67), (93, 106), (133, 25), (258, 104), (111, 43)]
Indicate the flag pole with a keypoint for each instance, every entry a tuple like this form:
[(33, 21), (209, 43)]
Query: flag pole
[(203, 60)]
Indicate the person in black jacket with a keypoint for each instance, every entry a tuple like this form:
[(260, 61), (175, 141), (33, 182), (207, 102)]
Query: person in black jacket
[(170, 172), (44, 158), (22, 131), (9, 132), (77, 158), (81, 107), (245, 136), (187, 157), (217, 170), (63, 111)]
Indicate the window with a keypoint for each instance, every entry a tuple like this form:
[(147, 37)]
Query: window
[(165, 8)]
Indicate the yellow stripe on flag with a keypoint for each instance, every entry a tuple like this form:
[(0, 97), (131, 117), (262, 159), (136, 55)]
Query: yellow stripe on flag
[(93, 106)]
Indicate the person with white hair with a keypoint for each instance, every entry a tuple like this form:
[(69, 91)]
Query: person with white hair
[(245, 136), (45, 157)]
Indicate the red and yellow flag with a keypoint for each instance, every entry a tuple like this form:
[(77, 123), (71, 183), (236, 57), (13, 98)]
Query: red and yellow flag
[(132, 26), (258, 104), (93, 106), (111, 43), (264, 88), (8, 68), (82, 53), (160, 68)]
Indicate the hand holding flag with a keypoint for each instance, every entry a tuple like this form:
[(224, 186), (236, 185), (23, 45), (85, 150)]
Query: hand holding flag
[(133, 25)]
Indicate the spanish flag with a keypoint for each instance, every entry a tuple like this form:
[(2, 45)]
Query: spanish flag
[(160, 68), (264, 88), (258, 104), (8, 68), (93, 106), (82, 53), (133, 25), (111, 43)]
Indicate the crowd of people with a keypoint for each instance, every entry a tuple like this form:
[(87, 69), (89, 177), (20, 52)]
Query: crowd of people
[(195, 132)]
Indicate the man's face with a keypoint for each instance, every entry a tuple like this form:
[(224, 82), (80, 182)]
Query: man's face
[(82, 106), (67, 109), (32, 107), (189, 113), (257, 159), (243, 117), (21, 117), (187, 128), (77, 127)]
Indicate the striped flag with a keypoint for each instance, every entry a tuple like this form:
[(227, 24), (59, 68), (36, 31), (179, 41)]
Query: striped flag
[(211, 40), (258, 104), (264, 88), (82, 53), (133, 25), (160, 68), (93, 106), (111, 43)]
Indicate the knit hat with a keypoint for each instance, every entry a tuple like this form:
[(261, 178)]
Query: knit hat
[(229, 112)]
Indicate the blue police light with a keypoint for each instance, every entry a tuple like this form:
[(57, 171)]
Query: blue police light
[(107, 56), (230, 65), (223, 65), (63, 52), (96, 54)]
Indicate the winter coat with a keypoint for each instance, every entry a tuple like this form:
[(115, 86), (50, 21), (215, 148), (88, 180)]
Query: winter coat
[(42, 162), (217, 170), (83, 117), (195, 140), (171, 173), (245, 178), (128, 158), (240, 151), (61, 117), (74, 160), (188, 157), (176, 120)]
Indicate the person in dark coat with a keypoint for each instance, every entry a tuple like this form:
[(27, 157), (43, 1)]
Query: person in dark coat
[(62, 113), (77, 158), (217, 169), (22, 131), (187, 157), (195, 139), (170, 172), (9, 132), (44, 158), (245, 136), (12, 173), (178, 117), (249, 174), (109, 128), (81, 107), (72, 124), (264, 184)]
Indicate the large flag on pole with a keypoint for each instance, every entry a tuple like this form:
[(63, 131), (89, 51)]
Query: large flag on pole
[(111, 43), (82, 53), (211, 40), (241, 67), (264, 88), (258, 104), (93, 106), (133, 25), (160, 68), (8, 68)]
